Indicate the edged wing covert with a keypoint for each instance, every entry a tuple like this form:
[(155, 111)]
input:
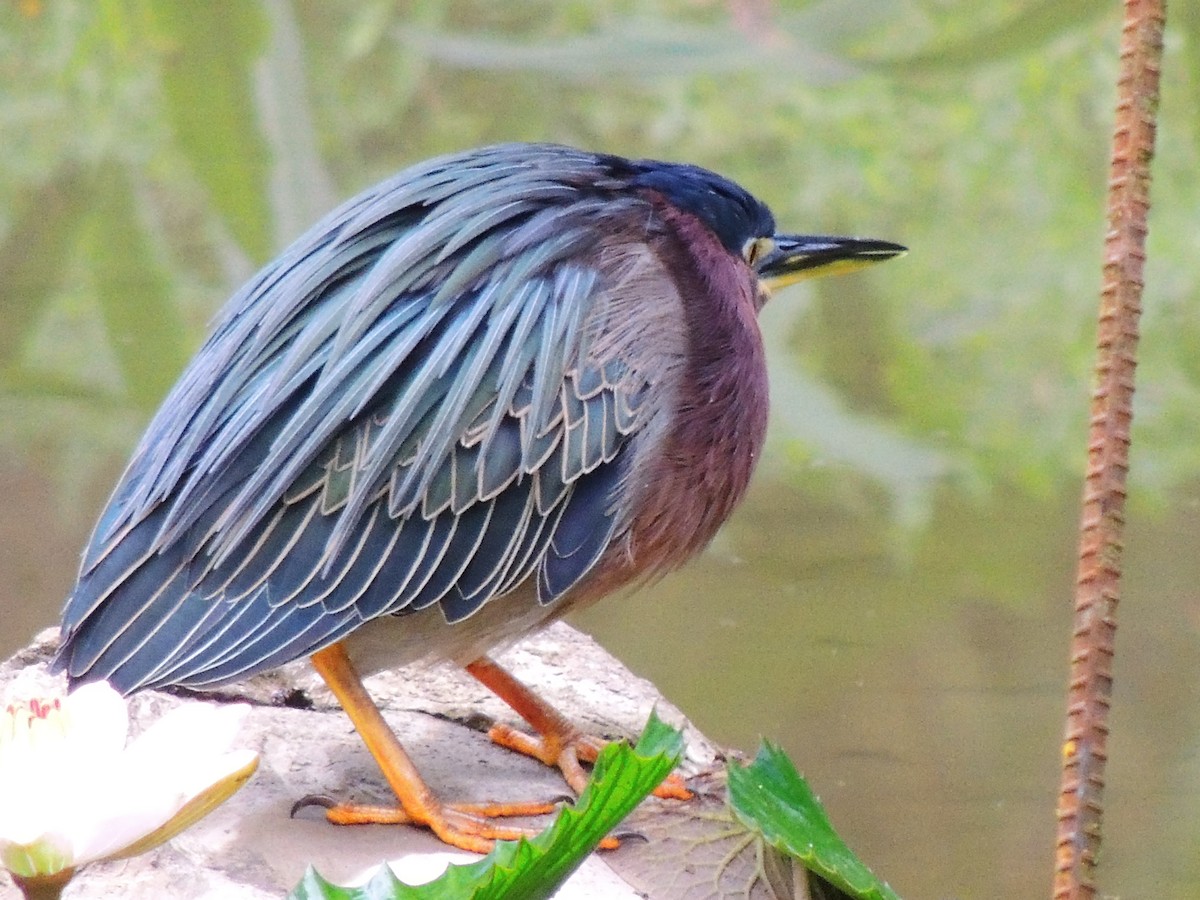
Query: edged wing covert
[(419, 403)]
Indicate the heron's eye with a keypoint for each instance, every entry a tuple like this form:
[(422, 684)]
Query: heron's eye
[(756, 249)]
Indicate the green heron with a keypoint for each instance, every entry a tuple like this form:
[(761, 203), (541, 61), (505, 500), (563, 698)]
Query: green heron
[(492, 389)]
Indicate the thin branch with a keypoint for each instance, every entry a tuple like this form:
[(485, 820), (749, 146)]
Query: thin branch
[(1080, 805)]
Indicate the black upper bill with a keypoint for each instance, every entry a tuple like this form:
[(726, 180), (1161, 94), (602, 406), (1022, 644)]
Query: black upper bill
[(795, 257)]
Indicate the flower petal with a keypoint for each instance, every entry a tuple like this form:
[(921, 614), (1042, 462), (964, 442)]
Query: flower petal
[(172, 775), (194, 731), (97, 720), (238, 766), (71, 792), (50, 754)]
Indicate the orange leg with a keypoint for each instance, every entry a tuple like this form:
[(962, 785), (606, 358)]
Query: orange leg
[(464, 826), (558, 742)]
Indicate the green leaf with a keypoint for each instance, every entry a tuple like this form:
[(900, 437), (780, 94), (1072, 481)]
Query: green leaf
[(536, 868), (771, 799), (382, 886)]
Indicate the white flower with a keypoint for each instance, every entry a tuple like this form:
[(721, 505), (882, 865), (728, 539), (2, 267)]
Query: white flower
[(72, 792)]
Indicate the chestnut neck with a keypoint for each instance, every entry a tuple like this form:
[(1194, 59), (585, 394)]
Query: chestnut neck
[(718, 426)]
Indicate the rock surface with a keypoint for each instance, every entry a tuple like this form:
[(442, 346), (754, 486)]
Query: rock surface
[(251, 848)]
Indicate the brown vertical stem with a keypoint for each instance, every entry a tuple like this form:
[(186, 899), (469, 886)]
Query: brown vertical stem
[(1080, 803)]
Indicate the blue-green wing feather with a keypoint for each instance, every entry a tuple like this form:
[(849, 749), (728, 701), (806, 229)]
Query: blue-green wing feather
[(402, 411)]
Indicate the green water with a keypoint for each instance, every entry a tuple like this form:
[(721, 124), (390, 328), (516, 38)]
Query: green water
[(892, 603)]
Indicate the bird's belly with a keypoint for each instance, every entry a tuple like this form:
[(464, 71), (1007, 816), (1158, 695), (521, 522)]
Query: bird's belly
[(390, 641)]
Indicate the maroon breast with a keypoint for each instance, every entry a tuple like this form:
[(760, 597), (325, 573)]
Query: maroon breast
[(686, 485)]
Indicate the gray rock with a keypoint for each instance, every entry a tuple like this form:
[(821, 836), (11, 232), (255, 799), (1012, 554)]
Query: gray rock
[(251, 848)]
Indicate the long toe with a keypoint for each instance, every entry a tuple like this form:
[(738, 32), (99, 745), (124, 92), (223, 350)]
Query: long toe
[(467, 826), (568, 752)]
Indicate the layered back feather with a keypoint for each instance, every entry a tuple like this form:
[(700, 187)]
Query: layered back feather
[(429, 398)]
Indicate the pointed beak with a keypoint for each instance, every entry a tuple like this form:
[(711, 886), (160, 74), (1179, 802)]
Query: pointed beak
[(795, 257)]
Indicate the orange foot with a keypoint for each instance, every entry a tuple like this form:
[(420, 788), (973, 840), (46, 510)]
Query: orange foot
[(466, 826), (557, 742)]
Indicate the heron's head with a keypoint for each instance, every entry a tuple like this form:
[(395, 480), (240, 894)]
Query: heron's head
[(746, 227)]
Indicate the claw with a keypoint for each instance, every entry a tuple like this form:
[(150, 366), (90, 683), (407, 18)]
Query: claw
[(324, 801), (629, 835)]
